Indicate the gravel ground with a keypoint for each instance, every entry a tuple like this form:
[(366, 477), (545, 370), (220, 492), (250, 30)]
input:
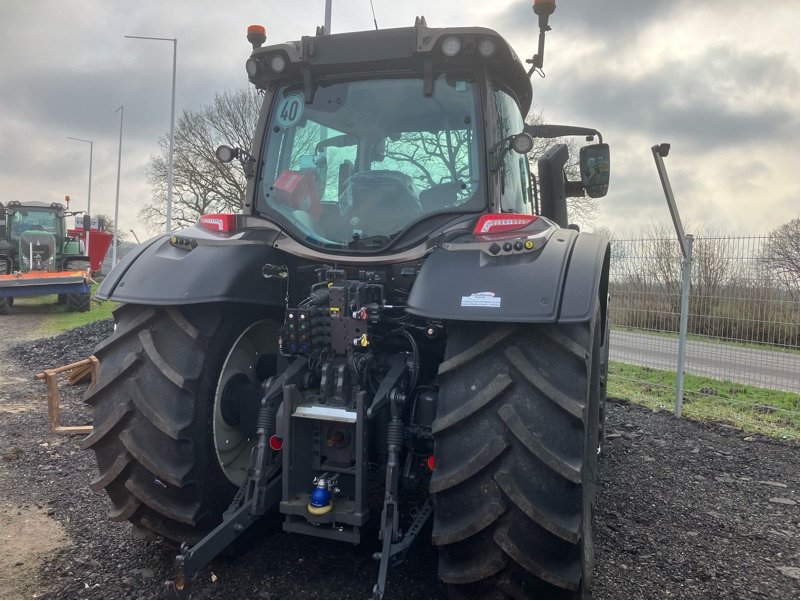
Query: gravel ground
[(685, 510)]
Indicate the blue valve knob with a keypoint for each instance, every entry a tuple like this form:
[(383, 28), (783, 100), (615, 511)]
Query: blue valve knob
[(320, 498)]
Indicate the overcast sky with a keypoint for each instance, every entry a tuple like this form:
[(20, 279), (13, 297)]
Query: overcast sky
[(718, 79)]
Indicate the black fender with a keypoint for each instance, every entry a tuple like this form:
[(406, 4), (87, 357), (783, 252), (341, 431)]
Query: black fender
[(558, 284), (192, 266)]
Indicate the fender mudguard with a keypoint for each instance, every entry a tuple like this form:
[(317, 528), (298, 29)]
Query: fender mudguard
[(559, 284), (191, 267)]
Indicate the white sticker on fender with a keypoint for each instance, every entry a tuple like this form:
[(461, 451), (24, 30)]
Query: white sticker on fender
[(481, 299)]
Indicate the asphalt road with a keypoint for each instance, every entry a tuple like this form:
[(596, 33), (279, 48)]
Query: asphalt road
[(767, 369)]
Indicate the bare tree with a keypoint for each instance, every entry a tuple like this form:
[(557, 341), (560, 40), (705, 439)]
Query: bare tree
[(781, 254), (435, 155), (201, 184)]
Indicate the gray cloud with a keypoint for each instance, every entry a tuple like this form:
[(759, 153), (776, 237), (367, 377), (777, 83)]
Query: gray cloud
[(692, 100), (615, 21)]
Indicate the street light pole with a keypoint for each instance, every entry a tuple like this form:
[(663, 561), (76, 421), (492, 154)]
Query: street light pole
[(89, 195), (327, 17), (172, 121), (117, 199)]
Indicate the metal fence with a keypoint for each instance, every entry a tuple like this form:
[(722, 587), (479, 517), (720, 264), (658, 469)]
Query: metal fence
[(743, 318)]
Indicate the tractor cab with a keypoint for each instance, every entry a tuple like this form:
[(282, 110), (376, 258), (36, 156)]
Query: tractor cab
[(37, 217), (374, 141), (35, 235)]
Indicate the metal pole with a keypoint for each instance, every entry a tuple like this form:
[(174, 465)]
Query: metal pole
[(89, 195), (117, 199), (660, 151), (686, 273), (328, 16), (89, 200), (172, 122)]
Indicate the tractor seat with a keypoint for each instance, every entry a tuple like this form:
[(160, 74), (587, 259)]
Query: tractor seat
[(381, 201)]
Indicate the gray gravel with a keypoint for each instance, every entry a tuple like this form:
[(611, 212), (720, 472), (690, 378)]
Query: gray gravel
[(685, 510)]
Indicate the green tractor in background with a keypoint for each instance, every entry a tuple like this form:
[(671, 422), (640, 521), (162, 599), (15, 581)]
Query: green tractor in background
[(37, 257)]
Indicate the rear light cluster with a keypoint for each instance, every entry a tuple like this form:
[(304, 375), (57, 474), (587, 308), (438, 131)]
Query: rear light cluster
[(511, 232), (218, 222), (498, 223)]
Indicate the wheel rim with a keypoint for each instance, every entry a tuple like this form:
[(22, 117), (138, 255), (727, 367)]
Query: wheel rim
[(231, 446)]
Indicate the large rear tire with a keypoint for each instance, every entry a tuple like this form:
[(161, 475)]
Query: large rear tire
[(78, 302), (516, 442), (603, 375), (154, 403), (5, 304)]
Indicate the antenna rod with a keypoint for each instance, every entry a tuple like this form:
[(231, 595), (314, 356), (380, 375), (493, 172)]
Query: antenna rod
[(374, 19)]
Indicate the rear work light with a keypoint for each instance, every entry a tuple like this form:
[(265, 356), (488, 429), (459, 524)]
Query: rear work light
[(218, 222), (497, 223)]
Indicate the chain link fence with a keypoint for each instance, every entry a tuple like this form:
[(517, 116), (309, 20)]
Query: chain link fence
[(743, 320)]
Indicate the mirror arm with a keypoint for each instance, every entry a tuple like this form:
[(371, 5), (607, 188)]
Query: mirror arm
[(248, 164), (574, 189), (500, 150), (560, 131)]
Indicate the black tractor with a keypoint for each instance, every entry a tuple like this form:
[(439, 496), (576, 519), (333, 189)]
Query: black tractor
[(400, 305)]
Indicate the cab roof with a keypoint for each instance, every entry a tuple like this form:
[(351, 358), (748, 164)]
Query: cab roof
[(417, 50)]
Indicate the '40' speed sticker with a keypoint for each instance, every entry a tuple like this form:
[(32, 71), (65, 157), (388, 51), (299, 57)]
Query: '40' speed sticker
[(290, 110)]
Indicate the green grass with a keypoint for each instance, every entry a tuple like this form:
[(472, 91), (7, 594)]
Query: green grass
[(55, 318), (770, 412)]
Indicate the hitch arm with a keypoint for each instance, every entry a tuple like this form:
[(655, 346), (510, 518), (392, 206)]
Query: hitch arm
[(253, 499), (190, 561)]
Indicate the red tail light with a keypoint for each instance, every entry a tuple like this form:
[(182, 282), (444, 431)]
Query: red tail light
[(219, 222), (496, 223), (276, 443)]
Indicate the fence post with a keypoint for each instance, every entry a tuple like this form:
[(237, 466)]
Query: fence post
[(686, 273)]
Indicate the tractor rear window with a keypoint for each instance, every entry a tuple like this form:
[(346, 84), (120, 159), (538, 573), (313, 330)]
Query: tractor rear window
[(366, 159), (31, 219)]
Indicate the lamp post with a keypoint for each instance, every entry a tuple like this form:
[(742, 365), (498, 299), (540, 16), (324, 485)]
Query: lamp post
[(89, 195), (327, 17), (172, 122), (117, 199)]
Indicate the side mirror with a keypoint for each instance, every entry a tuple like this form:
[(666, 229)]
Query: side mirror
[(594, 165)]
